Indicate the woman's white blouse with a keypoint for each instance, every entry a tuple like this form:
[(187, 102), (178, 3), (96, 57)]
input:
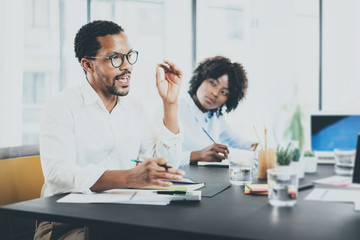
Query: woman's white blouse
[(193, 120)]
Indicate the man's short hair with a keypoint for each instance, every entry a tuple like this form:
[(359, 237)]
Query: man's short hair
[(216, 67), (86, 43)]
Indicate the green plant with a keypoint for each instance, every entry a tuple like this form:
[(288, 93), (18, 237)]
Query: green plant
[(284, 155), (296, 130), (296, 155), (309, 153)]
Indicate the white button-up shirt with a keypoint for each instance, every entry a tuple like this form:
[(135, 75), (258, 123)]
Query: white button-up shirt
[(80, 139), (195, 139)]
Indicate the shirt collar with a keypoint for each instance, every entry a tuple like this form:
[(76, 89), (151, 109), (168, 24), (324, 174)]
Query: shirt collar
[(91, 97), (88, 93), (196, 110)]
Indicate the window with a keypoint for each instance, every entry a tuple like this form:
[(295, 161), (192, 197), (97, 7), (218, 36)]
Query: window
[(34, 87), (276, 41), (278, 46), (37, 15), (341, 56)]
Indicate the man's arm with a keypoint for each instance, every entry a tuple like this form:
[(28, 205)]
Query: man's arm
[(169, 89), (148, 173)]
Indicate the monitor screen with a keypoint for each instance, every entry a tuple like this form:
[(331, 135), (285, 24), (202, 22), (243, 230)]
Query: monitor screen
[(334, 131), (356, 174)]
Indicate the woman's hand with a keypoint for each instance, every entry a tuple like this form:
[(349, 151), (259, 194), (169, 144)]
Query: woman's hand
[(214, 153)]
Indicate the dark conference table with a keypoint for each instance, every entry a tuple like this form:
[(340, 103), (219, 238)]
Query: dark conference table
[(228, 215)]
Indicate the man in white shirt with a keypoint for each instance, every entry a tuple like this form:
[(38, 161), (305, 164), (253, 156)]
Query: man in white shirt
[(89, 134)]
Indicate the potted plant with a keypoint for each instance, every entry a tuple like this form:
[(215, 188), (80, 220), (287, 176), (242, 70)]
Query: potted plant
[(284, 156), (297, 164), (310, 161)]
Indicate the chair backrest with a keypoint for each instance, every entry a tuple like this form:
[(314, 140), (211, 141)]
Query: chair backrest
[(20, 179)]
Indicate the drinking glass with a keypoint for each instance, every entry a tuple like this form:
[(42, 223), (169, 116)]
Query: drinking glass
[(283, 187), (241, 166)]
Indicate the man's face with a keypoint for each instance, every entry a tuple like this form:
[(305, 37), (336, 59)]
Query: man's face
[(110, 80)]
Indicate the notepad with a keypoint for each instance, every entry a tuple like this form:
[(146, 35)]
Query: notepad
[(180, 186), (223, 163), (185, 184), (261, 189)]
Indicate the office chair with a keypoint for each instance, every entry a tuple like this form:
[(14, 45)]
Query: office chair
[(21, 179)]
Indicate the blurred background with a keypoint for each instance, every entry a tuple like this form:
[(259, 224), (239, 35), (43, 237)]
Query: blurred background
[(301, 56)]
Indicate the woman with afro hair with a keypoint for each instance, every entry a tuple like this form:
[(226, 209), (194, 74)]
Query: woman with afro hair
[(217, 86)]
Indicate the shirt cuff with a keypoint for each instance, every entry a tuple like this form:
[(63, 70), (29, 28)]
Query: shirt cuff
[(170, 138), (87, 177), (185, 158)]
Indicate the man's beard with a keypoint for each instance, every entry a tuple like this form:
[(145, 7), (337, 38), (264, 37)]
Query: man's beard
[(114, 91)]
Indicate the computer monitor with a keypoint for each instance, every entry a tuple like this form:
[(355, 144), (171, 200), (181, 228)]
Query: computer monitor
[(330, 131), (356, 174)]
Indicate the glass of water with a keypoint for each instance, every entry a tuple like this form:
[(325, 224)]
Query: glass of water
[(241, 166), (283, 187), (344, 161)]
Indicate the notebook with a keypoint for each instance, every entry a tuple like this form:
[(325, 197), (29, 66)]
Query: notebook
[(185, 184), (223, 163)]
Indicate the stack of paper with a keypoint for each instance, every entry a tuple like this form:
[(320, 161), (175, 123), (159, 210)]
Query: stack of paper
[(261, 189), (181, 190), (131, 196)]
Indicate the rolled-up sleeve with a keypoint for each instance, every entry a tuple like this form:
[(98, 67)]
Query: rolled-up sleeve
[(161, 142), (170, 145)]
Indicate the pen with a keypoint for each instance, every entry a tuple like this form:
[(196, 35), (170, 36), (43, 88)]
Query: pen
[(211, 139), (265, 130), (208, 135), (171, 192), (137, 159), (162, 165), (305, 186)]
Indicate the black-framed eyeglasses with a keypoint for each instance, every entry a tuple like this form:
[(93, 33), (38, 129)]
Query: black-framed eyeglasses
[(117, 59)]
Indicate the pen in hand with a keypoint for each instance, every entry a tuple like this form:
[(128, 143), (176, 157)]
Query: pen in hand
[(208, 135), (211, 139), (162, 165)]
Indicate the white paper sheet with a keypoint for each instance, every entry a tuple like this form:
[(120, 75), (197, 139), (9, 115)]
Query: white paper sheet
[(129, 196), (335, 180), (224, 162), (336, 195)]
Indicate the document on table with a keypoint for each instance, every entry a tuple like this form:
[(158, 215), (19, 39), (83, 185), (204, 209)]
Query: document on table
[(223, 163), (336, 195), (130, 196), (335, 180)]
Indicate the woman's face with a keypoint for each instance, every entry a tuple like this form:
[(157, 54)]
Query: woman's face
[(212, 93)]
